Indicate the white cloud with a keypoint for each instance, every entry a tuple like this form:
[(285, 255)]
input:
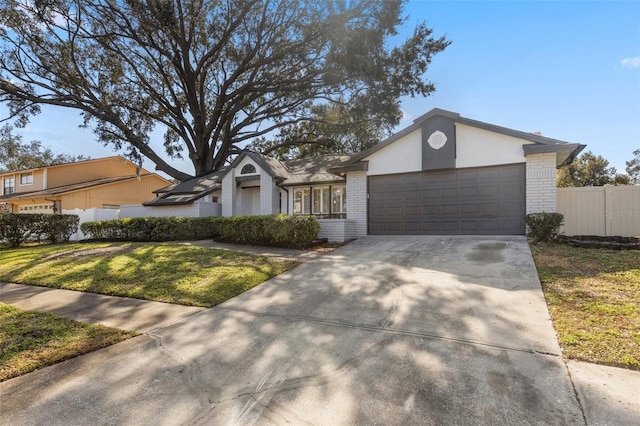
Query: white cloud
[(633, 62)]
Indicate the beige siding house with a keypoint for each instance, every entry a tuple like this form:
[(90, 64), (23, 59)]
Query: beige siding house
[(101, 183)]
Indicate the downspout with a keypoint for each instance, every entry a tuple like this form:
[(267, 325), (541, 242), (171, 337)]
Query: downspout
[(55, 205)]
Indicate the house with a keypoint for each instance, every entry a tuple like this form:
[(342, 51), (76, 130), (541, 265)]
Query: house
[(444, 174), (98, 183)]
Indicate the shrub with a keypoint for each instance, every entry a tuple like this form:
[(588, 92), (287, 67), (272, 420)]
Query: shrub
[(544, 227), (17, 228), (152, 229), (59, 227), (278, 230)]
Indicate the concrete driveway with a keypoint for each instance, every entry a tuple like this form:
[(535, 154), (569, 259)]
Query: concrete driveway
[(386, 330)]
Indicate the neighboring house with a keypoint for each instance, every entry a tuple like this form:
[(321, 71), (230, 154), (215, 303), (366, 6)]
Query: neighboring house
[(444, 174), (101, 183)]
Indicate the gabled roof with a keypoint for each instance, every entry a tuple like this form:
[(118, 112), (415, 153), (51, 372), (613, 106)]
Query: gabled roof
[(542, 144), (177, 199), (286, 173), (272, 166), (188, 191), (65, 189)]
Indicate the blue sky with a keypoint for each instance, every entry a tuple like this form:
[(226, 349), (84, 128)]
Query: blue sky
[(570, 70)]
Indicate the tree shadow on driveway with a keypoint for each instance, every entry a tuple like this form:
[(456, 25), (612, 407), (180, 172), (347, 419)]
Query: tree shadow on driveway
[(366, 335)]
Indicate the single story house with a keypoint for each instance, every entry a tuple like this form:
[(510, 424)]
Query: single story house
[(444, 174), (97, 183)]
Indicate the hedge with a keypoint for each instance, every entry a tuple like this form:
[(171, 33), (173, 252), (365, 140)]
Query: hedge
[(275, 230), (17, 228), (151, 229), (278, 230), (544, 227)]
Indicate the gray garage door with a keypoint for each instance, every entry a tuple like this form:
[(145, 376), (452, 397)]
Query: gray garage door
[(485, 200)]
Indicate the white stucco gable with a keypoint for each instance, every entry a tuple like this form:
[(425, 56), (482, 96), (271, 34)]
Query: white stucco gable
[(402, 156), (466, 143), (477, 147)]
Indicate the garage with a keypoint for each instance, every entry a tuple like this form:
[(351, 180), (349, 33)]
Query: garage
[(467, 201)]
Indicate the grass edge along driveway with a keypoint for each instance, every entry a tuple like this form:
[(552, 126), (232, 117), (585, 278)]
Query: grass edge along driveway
[(32, 340), (593, 296), (167, 272), (161, 272)]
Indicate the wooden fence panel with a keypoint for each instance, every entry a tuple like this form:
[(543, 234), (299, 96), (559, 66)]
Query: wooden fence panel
[(604, 210)]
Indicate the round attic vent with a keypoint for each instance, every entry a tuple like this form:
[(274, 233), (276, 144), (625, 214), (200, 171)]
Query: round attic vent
[(437, 139)]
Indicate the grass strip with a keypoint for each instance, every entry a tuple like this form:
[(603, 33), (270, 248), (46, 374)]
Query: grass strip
[(594, 300), (31, 340), (162, 272)]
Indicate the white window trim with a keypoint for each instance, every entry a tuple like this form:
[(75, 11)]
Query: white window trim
[(322, 207), (302, 200), (311, 189), (254, 172), (13, 185), (20, 179), (343, 196)]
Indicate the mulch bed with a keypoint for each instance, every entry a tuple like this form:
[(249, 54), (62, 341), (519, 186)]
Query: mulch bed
[(594, 241)]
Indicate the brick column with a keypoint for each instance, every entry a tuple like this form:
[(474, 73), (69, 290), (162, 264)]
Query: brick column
[(541, 183), (357, 200)]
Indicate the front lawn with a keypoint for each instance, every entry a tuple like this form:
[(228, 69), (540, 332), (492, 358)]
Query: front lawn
[(594, 299), (31, 340), (162, 272)]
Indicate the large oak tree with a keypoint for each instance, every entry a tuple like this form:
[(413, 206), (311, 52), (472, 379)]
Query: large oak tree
[(213, 74)]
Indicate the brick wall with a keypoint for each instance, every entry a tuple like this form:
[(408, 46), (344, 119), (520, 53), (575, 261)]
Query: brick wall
[(337, 230), (357, 201), (228, 196), (268, 193), (541, 183)]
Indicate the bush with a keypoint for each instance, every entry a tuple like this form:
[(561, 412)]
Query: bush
[(152, 229), (272, 230), (17, 228), (59, 227), (14, 228), (544, 227)]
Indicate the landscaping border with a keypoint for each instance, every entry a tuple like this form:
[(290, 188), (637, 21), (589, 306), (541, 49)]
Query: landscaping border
[(595, 241)]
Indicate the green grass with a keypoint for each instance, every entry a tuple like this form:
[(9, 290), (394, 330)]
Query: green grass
[(594, 300), (172, 273), (32, 340)]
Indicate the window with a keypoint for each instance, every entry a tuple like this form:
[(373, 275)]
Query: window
[(301, 201), (8, 186), (339, 200), (248, 169), (110, 206), (323, 201), (26, 178)]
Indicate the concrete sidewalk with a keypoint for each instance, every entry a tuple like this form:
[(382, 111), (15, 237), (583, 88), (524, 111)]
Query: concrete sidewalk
[(117, 312)]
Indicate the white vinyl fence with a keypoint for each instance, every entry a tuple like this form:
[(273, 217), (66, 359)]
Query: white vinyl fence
[(87, 215), (602, 210)]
